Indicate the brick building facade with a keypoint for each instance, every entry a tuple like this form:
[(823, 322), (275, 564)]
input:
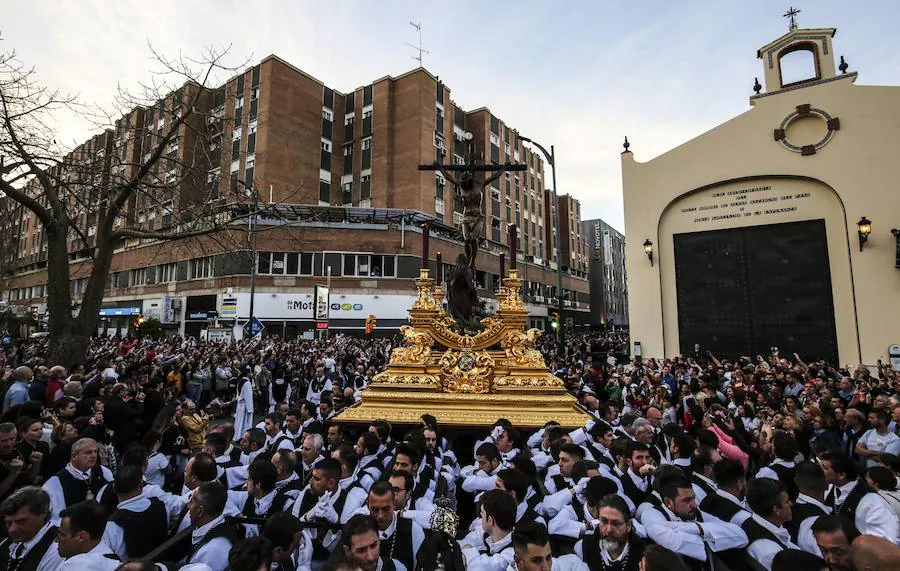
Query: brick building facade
[(337, 180)]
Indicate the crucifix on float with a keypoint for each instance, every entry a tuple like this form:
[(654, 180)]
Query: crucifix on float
[(461, 293)]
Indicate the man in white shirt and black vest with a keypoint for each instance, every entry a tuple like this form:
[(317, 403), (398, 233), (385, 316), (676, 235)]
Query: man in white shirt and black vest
[(678, 525), (216, 445), (276, 439), (613, 544), (401, 538), (851, 497), (30, 545), (490, 547), (765, 529), (351, 495), (782, 468), (212, 537), (310, 455), (701, 473), (262, 498), (531, 551), (293, 427), (728, 503), (80, 539), (316, 503), (82, 479), (139, 524), (636, 483), (810, 505), (360, 543)]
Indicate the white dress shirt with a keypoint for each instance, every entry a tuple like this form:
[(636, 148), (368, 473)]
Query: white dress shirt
[(770, 473), (765, 550), (215, 552), (95, 560), (740, 517), (484, 554), (699, 492), (805, 539), (684, 537), (873, 514)]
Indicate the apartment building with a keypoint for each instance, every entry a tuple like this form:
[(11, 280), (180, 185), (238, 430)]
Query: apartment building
[(335, 178), (609, 296)]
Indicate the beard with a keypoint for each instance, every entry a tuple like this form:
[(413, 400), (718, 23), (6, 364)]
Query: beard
[(611, 544)]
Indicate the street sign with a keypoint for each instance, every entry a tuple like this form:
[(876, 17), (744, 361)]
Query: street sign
[(322, 325), (253, 327)]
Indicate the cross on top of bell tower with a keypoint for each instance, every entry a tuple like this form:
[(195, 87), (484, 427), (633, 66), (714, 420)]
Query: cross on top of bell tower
[(792, 14)]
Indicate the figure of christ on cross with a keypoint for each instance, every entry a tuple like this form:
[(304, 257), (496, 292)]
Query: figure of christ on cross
[(471, 193), (462, 296)]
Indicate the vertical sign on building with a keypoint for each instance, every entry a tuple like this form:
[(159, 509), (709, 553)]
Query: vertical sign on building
[(229, 307), (321, 309), (168, 316)]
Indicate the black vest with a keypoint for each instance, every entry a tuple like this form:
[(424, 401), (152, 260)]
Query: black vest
[(700, 483), (235, 454), (143, 531), (273, 448), (279, 391), (848, 508), (31, 561), (424, 484), (755, 532), (561, 483), (786, 476), (799, 513), (631, 490), (722, 508), (342, 498), (225, 529), (592, 555), (75, 490), (400, 545)]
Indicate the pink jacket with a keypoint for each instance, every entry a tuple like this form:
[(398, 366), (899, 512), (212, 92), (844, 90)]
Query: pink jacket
[(728, 449)]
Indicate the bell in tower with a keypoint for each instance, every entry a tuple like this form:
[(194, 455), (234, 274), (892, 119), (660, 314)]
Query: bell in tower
[(801, 56)]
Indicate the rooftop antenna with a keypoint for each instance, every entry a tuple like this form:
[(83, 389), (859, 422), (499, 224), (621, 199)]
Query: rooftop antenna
[(418, 48)]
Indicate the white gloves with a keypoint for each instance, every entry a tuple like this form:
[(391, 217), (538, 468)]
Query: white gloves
[(497, 432), (579, 489)]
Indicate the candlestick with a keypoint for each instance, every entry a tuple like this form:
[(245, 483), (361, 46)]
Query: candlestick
[(502, 266), (425, 246), (439, 277), (513, 246)]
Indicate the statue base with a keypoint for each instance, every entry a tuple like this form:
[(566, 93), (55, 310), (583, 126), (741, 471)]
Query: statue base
[(467, 380)]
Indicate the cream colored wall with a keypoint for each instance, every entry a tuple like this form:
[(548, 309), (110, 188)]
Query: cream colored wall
[(861, 164)]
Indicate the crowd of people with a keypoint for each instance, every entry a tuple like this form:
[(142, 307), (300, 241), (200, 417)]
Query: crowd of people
[(183, 454)]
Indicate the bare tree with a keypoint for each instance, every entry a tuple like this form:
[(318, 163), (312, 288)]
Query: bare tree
[(149, 176)]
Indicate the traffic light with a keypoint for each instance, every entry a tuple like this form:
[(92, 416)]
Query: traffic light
[(554, 320), (370, 324), (139, 321)]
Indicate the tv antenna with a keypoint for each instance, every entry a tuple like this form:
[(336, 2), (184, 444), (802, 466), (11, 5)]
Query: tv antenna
[(418, 48)]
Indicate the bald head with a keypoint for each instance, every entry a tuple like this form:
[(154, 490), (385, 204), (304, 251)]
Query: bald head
[(870, 553), (24, 374), (58, 372)]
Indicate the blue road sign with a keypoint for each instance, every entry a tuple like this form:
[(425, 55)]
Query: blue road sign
[(253, 327)]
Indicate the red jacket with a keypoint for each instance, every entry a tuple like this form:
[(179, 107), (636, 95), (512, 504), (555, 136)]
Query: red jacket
[(53, 385)]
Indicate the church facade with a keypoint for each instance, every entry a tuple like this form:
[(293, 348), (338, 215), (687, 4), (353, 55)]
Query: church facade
[(774, 229)]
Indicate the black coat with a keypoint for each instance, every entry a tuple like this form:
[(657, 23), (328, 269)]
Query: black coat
[(123, 418)]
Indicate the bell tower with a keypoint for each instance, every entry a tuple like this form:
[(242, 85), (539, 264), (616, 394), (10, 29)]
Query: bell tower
[(799, 57)]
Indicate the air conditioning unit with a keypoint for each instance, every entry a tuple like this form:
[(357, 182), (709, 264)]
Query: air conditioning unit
[(211, 120), (443, 152)]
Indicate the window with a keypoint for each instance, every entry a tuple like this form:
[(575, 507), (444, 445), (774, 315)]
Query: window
[(367, 144), (238, 103), (495, 140), (278, 263), (367, 114), (306, 264), (236, 134), (327, 114), (167, 273), (326, 145), (369, 265), (264, 262), (254, 94), (201, 268), (348, 119), (439, 206), (138, 277)]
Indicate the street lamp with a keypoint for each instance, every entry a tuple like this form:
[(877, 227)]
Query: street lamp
[(253, 194), (648, 249), (551, 160)]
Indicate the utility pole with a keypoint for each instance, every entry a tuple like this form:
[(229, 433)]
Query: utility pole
[(254, 255)]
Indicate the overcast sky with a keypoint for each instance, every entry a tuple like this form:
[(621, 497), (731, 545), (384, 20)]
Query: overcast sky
[(577, 74)]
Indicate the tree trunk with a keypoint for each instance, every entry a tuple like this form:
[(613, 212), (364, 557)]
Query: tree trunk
[(68, 349)]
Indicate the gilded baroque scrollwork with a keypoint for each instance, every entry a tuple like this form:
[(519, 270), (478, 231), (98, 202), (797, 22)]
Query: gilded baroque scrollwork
[(417, 350), (519, 351), (466, 372), (532, 381), (425, 296)]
